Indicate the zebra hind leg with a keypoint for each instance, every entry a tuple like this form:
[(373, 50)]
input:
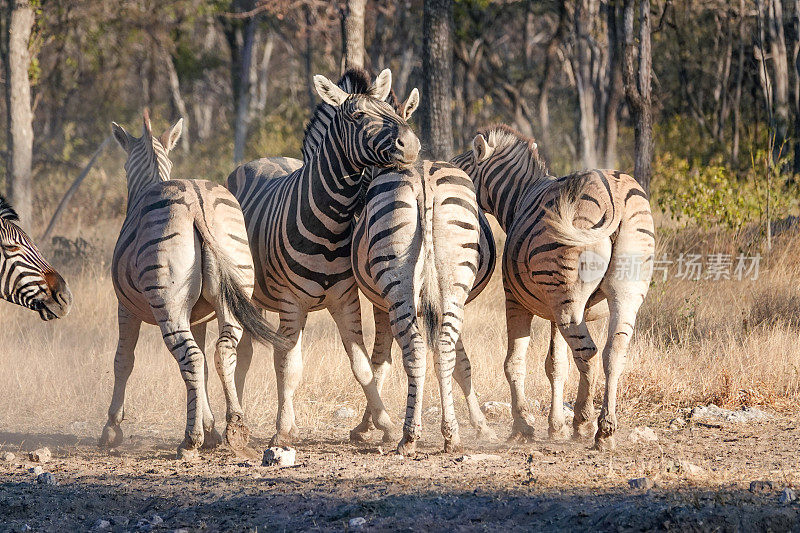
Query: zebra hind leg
[(518, 326), (237, 434), (463, 375), (576, 333), (445, 362), (211, 438), (557, 368), (381, 364), (123, 366)]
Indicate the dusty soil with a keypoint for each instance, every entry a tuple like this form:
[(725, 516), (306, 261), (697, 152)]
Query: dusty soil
[(701, 475)]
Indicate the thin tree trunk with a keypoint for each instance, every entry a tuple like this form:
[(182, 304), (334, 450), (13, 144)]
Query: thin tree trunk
[(550, 63), (263, 72), (737, 95), (354, 33), (437, 66), (780, 85), (307, 56), (582, 68), (243, 102), (19, 24), (615, 91), (177, 98), (638, 89)]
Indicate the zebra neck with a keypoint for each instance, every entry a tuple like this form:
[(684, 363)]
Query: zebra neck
[(143, 178), (333, 183), (504, 194)]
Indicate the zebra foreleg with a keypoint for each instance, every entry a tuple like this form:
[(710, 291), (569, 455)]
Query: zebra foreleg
[(288, 373), (381, 364), (518, 326), (123, 366), (348, 320), (463, 375), (556, 367)]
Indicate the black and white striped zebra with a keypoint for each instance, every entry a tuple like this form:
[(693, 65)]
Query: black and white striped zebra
[(422, 248), (578, 248), (182, 257), (300, 228), (26, 278)]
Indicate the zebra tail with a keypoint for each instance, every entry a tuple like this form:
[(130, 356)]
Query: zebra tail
[(431, 292), (560, 220), (235, 299)]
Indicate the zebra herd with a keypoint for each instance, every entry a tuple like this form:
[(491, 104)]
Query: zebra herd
[(362, 212)]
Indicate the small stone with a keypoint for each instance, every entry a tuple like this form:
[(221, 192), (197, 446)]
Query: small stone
[(357, 522), (9, 457), (25, 527), (787, 496), (643, 434), (41, 455), (496, 410), (101, 525), (478, 457), (36, 470), (344, 413), (641, 483), (156, 520), (46, 478), (279, 456), (181, 530), (677, 423), (760, 486)]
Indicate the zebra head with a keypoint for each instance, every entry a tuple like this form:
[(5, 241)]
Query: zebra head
[(26, 278), (148, 160), (371, 131)]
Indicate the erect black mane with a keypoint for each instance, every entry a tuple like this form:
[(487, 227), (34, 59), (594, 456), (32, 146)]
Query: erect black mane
[(353, 81), (6, 211)]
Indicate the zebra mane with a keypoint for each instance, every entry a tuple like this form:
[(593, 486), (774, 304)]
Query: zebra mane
[(506, 139), (354, 81), (6, 211)]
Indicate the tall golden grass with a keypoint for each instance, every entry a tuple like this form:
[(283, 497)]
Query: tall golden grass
[(730, 342)]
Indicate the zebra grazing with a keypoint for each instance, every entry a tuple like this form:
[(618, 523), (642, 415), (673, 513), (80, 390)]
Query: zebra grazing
[(578, 248), (181, 257), (26, 278), (423, 248), (300, 227)]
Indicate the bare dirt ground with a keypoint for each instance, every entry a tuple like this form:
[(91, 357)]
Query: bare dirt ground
[(701, 474)]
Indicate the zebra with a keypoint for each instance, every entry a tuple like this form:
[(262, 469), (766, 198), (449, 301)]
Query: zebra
[(423, 248), (182, 256), (26, 278), (300, 228), (578, 248)]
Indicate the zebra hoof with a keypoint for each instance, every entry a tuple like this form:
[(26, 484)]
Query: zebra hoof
[(584, 430), (604, 443), (187, 454), (237, 435), (487, 433), (294, 433), (358, 436), (212, 440), (521, 431), (280, 439), (558, 433), (407, 446), (453, 445), (111, 437)]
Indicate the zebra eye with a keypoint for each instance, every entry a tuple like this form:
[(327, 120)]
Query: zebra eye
[(13, 248)]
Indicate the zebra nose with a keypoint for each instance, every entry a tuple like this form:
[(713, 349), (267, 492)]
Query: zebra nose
[(59, 290), (407, 145)]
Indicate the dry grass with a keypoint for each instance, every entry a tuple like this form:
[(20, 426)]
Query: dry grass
[(730, 342)]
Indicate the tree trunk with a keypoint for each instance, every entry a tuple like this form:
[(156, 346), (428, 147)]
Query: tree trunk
[(615, 91), (637, 89), (437, 68), (263, 73), (19, 24), (737, 95), (354, 33), (780, 85), (307, 57), (582, 68), (243, 102), (177, 98), (550, 63)]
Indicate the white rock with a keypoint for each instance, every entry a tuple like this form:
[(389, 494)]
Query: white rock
[(101, 524), (643, 434), (477, 457), (156, 520), (344, 413), (748, 414), (40, 455), (496, 410), (9, 457), (36, 470), (46, 478), (641, 483), (432, 411), (357, 522), (279, 456)]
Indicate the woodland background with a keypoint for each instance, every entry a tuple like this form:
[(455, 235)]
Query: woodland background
[(717, 80)]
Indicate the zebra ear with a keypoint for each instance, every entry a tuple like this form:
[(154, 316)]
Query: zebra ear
[(383, 85), (329, 92), (170, 137), (411, 104), (481, 148), (122, 136)]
